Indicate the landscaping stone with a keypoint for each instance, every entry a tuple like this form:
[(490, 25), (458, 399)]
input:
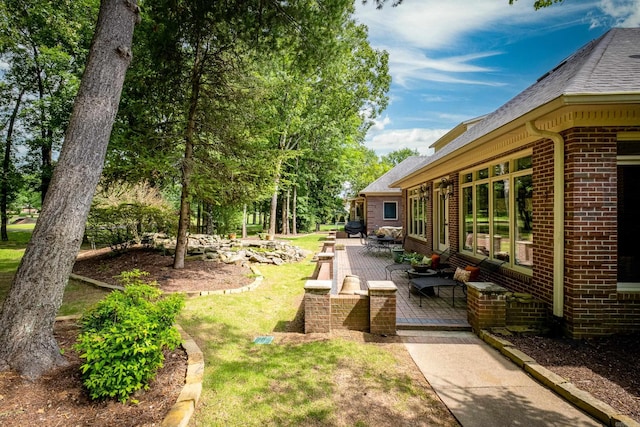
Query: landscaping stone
[(236, 251)]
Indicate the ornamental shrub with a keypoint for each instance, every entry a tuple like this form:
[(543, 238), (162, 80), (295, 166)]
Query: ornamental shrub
[(122, 337)]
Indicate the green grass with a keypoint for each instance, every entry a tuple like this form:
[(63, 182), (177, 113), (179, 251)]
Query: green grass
[(77, 295), (292, 381), (285, 383)]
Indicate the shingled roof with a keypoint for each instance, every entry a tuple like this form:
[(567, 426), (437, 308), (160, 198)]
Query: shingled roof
[(381, 185), (608, 66)]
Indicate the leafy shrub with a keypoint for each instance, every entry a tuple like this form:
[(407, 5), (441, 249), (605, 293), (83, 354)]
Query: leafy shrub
[(121, 214), (123, 336)]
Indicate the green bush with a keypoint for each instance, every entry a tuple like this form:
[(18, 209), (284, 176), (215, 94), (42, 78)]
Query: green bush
[(122, 225), (121, 213), (122, 338)]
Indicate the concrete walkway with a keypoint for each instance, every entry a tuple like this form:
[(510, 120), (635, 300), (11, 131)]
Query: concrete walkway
[(478, 384), (481, 387)]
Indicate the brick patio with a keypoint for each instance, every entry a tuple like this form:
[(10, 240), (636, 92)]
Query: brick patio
[(436, 312)]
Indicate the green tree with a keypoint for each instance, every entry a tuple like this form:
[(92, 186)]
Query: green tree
[(45, 44), (319, 104), (10, 181), (397, 156)]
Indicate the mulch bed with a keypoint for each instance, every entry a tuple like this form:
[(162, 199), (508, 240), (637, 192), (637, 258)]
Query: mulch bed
[(59, 398), (197, 275), (608, 367)]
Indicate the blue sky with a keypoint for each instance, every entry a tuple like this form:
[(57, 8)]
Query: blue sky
[(453, 60)]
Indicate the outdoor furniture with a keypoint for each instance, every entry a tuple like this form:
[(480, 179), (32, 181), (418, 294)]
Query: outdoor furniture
[(414, 274), (423, 285), (376, 244), (382, 243), (395, 267), (354, 227)]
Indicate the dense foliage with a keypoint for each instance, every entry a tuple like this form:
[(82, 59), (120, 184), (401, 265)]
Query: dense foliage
[(123, 337), (122, 213)]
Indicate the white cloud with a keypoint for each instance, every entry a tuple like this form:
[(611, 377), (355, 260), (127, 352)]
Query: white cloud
[(419, 33), (624, 13), (379, 125), (408, 64), (437, 24), (391, 140)]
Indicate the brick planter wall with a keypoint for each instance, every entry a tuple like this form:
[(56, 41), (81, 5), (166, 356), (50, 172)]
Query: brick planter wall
[(523, 310), (375, 312), (486, 305)]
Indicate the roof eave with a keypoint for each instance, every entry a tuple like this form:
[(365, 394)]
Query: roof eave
[(419, 176)]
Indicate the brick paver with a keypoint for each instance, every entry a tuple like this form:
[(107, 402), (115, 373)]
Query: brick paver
[(436, 312)]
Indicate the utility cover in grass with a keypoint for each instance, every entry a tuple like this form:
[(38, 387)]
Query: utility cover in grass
[(263, 340)]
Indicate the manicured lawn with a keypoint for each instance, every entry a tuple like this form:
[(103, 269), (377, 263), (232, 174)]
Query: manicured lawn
[(292, 381), (295, 380)]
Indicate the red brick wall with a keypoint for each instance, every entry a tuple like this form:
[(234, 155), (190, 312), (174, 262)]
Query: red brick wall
[(317, 312), (532, 313), (375, 212), (541, 283), (382, 312), (592, 305)]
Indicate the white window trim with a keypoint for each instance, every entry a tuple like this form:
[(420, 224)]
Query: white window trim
[(489, 180), (409, 214)]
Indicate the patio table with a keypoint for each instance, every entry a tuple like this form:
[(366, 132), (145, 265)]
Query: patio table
[(382, 243), (395, 267)]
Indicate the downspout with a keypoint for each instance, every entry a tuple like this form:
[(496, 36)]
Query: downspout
[(558, 214)]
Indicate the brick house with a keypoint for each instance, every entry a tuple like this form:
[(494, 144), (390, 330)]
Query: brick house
[(544, 188), (381, 204)]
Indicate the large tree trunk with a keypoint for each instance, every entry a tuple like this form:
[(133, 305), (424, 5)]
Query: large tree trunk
[(46, 158), (47, 166), (182, 242), (274, 207), (285, 212), (27, 343), (6, 169)]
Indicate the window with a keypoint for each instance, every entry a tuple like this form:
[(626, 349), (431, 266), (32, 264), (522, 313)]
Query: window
[(497, 211), (416, 219), (390, 210), (628, 174)]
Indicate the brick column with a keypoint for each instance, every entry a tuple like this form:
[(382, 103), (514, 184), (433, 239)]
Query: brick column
[(382, 307), (486, 305), (317, 306)]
